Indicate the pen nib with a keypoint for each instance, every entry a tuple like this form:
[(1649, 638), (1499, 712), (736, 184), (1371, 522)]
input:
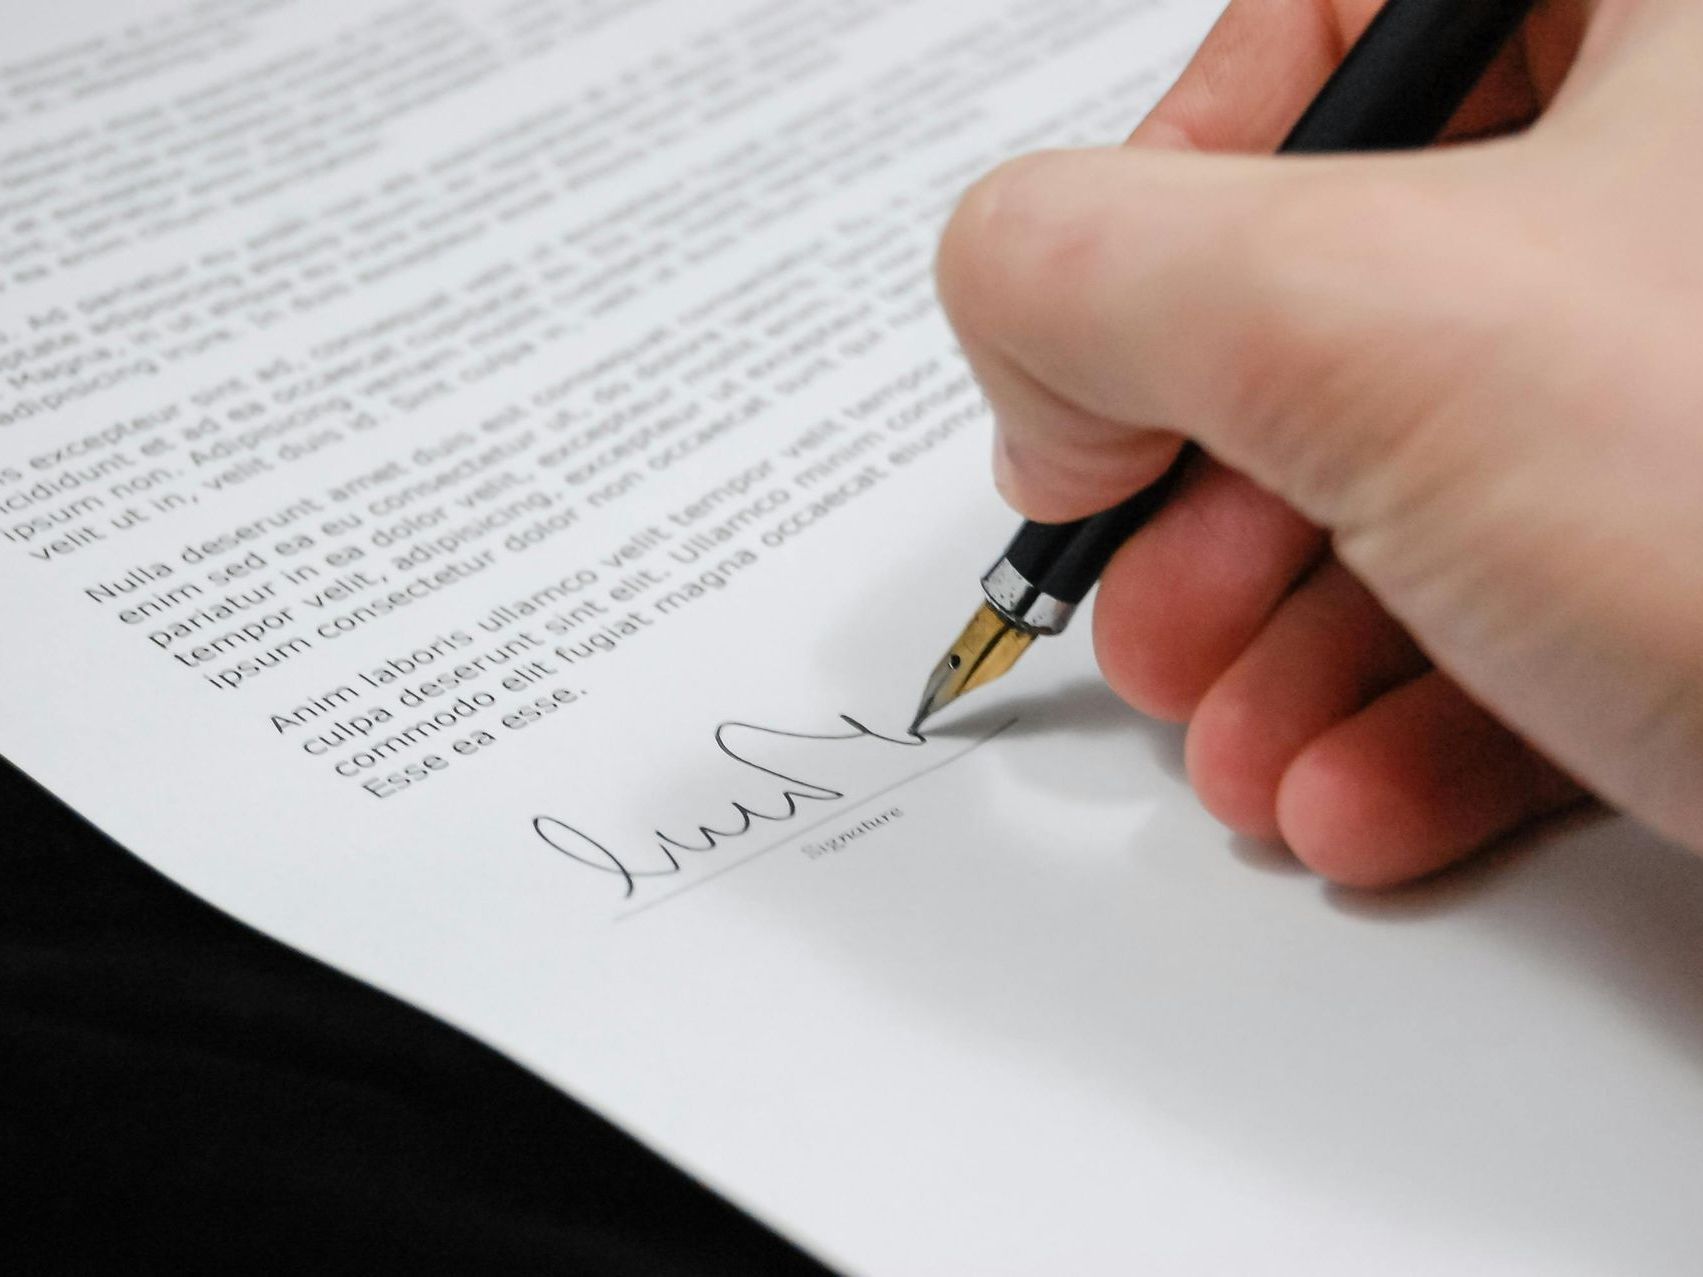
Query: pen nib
[(988, 647)]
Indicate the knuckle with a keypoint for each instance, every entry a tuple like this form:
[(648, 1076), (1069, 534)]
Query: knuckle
[(1348, 302)]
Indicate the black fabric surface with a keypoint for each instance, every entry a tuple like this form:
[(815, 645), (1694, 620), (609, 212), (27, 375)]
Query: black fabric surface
[(181, 1094)]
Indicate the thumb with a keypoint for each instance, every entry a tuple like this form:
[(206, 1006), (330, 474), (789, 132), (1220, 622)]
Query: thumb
[(1296, 316)]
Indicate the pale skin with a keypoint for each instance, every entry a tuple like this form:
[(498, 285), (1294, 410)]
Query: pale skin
[(1442, 573)]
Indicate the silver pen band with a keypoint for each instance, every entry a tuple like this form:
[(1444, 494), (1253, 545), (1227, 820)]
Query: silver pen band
[(1022, 604)]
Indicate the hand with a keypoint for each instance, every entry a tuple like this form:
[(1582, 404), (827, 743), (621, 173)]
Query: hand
[(1443, 572)]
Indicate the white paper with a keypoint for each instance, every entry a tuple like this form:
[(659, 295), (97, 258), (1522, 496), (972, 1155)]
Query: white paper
[(582, 355)]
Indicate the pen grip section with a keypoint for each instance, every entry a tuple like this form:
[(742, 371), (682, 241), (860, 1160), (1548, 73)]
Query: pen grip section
[(1064, 560)]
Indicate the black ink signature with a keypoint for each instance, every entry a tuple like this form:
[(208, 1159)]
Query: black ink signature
[(580, 846)]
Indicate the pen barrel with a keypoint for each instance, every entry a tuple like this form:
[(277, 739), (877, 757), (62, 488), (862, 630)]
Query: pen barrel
[(1063, 560), (1405, 78)]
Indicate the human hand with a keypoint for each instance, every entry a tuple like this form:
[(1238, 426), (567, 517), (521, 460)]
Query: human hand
[(1443, 571)]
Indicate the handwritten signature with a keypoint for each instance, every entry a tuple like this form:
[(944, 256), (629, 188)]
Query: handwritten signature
[(795, 791)]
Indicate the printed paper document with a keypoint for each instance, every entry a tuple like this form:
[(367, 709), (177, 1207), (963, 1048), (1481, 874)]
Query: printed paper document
[(481, 485)]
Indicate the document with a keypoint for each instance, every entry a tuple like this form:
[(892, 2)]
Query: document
[(482, 483)]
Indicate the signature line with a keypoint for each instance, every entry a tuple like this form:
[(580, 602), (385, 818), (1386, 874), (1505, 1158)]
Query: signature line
[(796, 834)]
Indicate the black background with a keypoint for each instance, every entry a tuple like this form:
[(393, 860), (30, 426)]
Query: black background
[(178, 1092)]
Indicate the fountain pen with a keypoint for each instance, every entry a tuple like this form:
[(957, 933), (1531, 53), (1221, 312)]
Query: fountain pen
[(1397, 88)]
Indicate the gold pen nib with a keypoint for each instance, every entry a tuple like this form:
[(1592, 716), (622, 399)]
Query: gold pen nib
[(988, 647)]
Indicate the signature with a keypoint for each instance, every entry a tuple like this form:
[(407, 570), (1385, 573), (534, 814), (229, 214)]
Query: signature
[(794, 793)]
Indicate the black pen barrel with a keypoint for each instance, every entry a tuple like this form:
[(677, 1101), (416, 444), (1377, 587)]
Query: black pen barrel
[(1065, 559), (1405, 78)]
